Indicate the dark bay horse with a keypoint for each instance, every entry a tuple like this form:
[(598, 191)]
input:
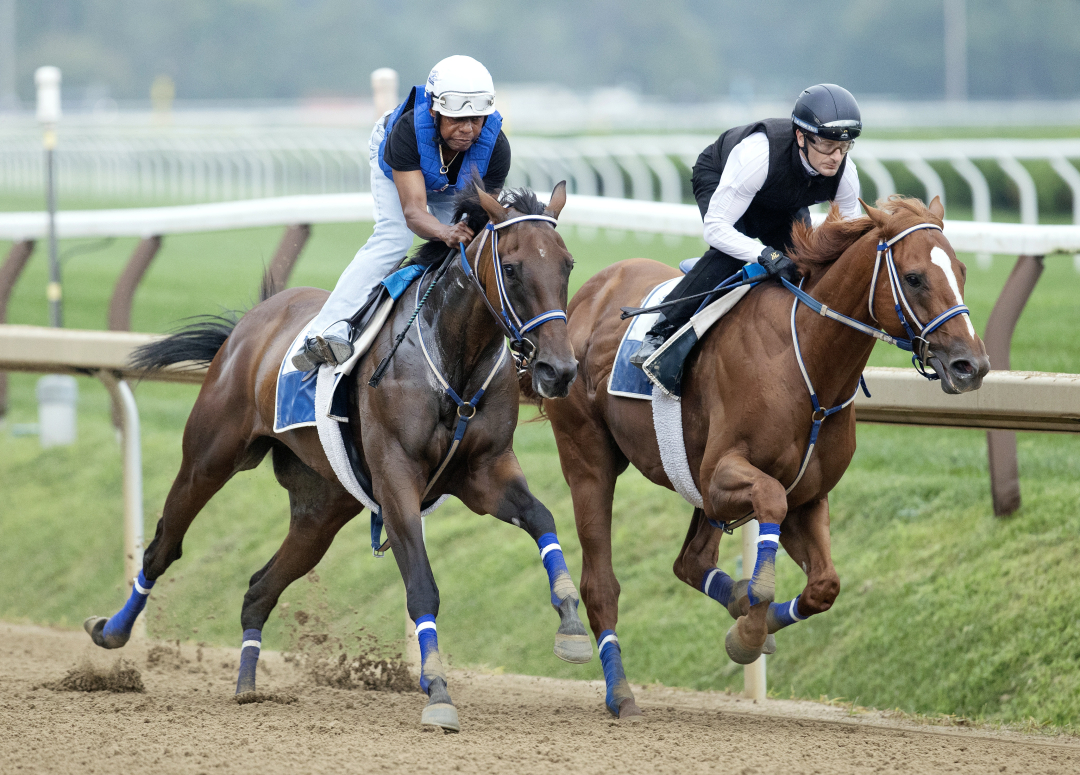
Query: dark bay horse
[(402, 429), (747, 412)]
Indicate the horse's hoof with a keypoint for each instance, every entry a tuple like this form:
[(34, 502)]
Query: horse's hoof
[(629, 712), (739, 653), (770, 645), (441, 714), (573, 648), (94, 626)]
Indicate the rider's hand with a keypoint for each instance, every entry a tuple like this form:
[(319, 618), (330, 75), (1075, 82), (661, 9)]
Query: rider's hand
[(776, 264), (459, 232)]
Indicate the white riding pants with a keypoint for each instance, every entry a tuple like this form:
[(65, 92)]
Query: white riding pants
[(388, 244)]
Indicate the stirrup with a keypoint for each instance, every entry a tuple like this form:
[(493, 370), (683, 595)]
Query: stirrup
[(318, 350), (649, 345)]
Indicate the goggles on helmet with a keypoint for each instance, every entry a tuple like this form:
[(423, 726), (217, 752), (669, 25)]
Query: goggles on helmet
[(455, 102), (828, 147)]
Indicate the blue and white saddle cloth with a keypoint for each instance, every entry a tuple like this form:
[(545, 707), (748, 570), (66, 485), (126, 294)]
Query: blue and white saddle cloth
[(295, 403), (630, 382)]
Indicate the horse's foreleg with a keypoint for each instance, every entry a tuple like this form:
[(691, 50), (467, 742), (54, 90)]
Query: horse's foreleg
[(806, 540), (213, 452), (735, 488), (696, 566), (591, 462), (398, 485), (500, 489)]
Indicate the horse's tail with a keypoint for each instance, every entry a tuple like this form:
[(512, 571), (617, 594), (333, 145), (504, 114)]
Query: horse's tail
[(196, 342)]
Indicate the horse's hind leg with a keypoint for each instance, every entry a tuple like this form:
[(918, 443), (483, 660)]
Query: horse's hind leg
[(318, 509), (591, 462), (696, 566), (214, 449), (500, 489)]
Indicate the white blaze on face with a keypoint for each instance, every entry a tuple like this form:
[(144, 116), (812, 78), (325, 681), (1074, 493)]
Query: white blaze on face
[(940, 258)]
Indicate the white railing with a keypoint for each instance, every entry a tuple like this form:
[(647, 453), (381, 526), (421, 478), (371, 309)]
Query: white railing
[(198, 164), (589, 211)]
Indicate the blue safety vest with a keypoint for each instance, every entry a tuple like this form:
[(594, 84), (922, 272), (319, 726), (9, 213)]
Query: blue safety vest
[(478, 155)]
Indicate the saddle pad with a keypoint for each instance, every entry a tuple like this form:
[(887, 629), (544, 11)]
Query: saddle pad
[(295, 400), (626, 380)]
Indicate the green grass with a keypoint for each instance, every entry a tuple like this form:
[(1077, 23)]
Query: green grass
[(944, 608)]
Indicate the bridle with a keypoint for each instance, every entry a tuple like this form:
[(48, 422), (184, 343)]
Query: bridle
[(916, 344), (507, 317)]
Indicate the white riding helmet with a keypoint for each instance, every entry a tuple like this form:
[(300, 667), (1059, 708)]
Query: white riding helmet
[(461, 86)]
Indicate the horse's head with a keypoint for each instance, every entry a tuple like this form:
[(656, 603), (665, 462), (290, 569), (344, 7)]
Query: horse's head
[(928, 284), (535, 273)]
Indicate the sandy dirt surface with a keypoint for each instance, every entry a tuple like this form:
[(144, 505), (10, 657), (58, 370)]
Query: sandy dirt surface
[(186, 721)]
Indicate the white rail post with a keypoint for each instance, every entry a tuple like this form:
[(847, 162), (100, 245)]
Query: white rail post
[(980, 199), (384, 90), (753, 674), (131, 442)]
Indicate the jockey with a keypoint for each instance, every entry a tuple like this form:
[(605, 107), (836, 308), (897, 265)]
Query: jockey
[(422, 153), (753, 183)]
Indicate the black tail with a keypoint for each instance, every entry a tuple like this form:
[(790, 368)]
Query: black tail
[(198, 342)]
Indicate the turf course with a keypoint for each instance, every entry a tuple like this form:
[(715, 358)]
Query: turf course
[(944, 608)]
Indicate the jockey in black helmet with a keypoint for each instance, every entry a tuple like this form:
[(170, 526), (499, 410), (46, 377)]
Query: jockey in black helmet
[(753, 183)]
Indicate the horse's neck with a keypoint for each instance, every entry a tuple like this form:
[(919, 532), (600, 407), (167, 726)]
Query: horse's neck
[(836, 354), (463, 328)]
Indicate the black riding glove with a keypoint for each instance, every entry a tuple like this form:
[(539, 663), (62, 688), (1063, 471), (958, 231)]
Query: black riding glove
[(776, 264)]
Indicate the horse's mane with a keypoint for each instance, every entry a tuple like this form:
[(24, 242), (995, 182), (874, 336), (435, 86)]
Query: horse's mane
[(815, 248), (467, 204)]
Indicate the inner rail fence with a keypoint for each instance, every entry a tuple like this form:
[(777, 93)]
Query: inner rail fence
[(1030, 242), (192, 164)]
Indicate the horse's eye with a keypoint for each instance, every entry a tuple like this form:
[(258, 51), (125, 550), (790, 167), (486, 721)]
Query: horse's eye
[(913, 280), (508, 270)]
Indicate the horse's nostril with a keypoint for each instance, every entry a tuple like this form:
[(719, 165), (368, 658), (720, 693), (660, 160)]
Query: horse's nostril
[(544, 372), (962, 367)]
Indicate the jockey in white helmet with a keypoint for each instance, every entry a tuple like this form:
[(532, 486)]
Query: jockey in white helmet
[(421, 154)]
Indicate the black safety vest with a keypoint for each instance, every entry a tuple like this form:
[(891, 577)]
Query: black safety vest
[(789, 189)]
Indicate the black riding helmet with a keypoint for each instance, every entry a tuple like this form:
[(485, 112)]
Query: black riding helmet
[(828, 111)]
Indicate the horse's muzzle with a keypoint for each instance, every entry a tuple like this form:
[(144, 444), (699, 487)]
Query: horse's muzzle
[(552, 379), (960, 369)]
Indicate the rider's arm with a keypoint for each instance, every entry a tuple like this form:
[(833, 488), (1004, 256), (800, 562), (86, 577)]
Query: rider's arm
[(743, 176), (847, 194), (412, 192)]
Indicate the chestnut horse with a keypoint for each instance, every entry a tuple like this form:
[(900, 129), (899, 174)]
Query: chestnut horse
[(747, 415), (402, 430)]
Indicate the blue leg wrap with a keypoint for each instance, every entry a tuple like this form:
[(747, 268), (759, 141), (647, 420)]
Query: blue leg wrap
[(765, 568), (614, 676), (718, 585), (430, 661), (555, 564), (782, 615), (249, 660), (120, 624)]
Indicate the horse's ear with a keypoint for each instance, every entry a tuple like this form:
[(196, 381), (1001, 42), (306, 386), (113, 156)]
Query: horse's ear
[(558, 200), (879, 217), (496, 212), (937, 209)]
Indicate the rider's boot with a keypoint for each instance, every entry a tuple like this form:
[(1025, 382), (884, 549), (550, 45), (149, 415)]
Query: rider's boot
[(656, 337), (333, 346)]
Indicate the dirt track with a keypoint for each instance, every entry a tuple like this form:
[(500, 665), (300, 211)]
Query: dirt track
[(187, 722)]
